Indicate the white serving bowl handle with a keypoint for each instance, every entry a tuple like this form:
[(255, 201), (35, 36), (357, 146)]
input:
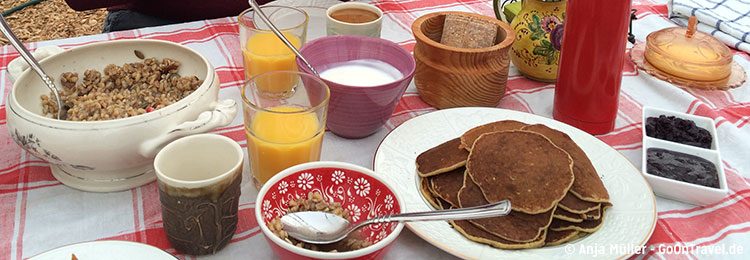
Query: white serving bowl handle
[(222, 114), (17, 66)]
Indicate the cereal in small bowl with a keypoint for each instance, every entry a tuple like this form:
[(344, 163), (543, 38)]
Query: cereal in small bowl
[(346, 190), (316, 202)]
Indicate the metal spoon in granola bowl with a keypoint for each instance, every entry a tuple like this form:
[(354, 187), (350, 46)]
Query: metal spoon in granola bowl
[(318, 227), (26, 55)]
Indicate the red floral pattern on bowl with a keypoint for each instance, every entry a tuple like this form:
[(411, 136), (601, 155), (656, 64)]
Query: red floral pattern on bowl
[(363, 195)]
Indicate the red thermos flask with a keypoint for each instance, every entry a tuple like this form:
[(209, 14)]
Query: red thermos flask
[(593, 51)]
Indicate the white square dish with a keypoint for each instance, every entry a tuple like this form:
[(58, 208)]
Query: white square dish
[(679, 190)]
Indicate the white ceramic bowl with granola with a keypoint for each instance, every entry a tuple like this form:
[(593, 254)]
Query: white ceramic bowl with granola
[(107, 154)]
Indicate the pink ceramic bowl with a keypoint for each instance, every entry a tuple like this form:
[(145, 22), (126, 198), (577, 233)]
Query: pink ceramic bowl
[(356, 112), (358, 189)]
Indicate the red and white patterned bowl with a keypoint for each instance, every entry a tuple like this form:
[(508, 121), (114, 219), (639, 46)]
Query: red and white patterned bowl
[(358, 189)]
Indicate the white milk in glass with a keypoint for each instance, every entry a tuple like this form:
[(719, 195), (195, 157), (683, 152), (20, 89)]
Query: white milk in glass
[(361, 73)]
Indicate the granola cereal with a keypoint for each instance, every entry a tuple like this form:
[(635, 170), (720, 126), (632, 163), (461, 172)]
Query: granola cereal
[(316, 202), (121, 91)]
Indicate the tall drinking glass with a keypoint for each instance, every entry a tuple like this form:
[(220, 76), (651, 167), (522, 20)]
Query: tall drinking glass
[(262, 51), (283, 128)]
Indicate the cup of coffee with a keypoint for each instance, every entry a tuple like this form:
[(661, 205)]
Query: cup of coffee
[(199, 180), (354, 18)]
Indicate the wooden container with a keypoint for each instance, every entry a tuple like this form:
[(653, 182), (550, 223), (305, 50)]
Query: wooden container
[(448, 77)]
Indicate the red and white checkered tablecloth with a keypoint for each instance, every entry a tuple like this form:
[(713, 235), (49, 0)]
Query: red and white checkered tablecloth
[(37, 213)]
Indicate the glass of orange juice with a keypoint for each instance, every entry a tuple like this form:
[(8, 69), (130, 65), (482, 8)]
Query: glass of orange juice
[(283, 128), (262, 51)]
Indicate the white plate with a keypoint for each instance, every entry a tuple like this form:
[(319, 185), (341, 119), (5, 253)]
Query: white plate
[(109, 249), (627, 225)]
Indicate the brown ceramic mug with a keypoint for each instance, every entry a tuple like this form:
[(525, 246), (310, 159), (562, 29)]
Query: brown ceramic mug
[(199, 187)]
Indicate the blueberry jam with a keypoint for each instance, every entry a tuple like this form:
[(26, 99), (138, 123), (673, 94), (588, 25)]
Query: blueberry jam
[(681, 167), (678, 130)]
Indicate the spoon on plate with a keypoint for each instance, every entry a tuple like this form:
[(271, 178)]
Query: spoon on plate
[(317, 227), (26, 55), (281, 36)]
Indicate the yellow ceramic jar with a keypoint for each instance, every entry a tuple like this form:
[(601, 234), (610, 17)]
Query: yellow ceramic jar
[(539, 30)]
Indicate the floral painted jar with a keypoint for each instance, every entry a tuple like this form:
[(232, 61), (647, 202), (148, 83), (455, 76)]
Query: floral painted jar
[(539, 31)]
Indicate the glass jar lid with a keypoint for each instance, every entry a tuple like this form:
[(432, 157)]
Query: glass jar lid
[(688, 54)]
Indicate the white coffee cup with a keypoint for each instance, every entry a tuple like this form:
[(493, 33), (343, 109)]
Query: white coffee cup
[(371, 28)]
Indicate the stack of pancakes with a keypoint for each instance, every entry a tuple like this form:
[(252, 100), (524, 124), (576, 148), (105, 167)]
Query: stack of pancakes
[(555, 193)]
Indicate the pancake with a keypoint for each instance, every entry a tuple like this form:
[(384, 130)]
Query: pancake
[(596, 214), (424, 188), (592, 215), (516, 226), (447, 185), (431, 190), (442, 158), (588, 185), (477, 234), (469, 137), (574, 204), (537, 168), (442, 204), (523, 167), (588, 226), (560, 213), (558, 237)]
